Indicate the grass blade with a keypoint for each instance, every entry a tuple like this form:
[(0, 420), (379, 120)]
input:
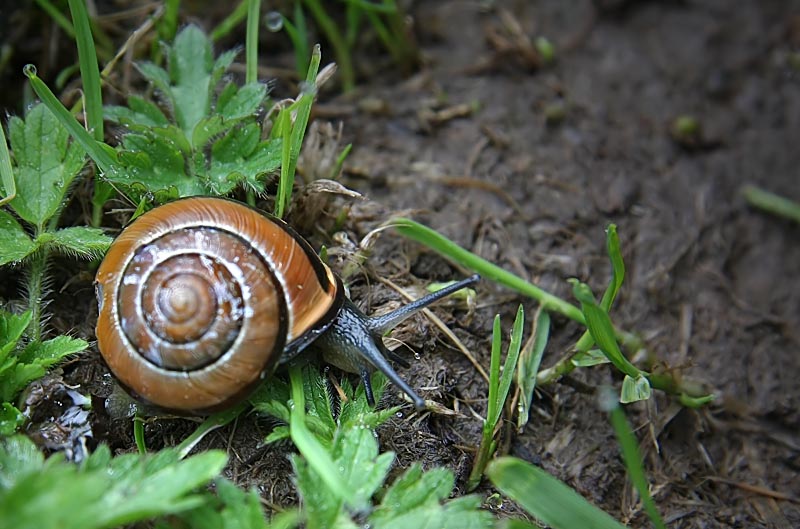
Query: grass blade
[(772, 203), (630, 454), (444, 246), (545, 497), (529, 361), (96, 150)]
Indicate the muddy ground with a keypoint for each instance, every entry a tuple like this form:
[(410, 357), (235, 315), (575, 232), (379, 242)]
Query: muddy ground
[(535, 163)]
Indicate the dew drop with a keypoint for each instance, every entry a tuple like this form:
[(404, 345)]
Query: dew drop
[(29, 70), (274, 21)]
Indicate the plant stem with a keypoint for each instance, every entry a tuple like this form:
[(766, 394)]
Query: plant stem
[(36, 272)]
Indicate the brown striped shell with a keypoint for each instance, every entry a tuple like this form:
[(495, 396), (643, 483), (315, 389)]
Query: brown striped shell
[(200, 298)]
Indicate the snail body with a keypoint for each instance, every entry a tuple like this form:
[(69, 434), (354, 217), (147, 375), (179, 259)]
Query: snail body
[(202, 298)]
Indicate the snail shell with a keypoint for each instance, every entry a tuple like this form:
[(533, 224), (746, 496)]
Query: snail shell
[(200, 298)]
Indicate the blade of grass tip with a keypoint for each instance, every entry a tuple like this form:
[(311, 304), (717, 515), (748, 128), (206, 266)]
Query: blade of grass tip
[(310, 448), (251, 41), (214, 421), (511, 363), (529, 362), (6, 171), (340, 49), (444, 246), (230, 22), (90, 71), (302, 109), (96, 150), (772, 203), (546, 498), (58, 17), (629, 447), (617, 267)]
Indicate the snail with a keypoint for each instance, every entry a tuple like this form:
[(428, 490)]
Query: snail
[(202, 298)]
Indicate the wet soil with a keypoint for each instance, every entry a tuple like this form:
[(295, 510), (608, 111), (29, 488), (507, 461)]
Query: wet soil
[(531, 165)]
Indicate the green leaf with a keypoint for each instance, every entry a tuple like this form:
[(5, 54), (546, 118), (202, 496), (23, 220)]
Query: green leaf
[(529, 361), (546, 498), (617, 266), (244, 102), (46, 164), (51, 351), (414, 499), (11, 328), (81, 241), (139, 112), (589, 358), (190, 67), (356, 453), (599, 324), (103, 492), (15, 244), (10, 419), (634, 389), (15, 376), (232, 508), (7, 183), (19, 457)]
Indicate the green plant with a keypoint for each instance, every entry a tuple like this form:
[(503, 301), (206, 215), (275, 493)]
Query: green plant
[(341, 468), (105, 491), (598, 325), (499, 386), (545, 497), (36, 186)]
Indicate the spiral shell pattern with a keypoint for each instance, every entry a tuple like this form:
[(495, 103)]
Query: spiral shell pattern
[(199, 298)]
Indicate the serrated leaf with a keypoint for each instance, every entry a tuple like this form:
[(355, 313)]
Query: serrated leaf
[(159, 77), (230, 166), (634, 389), (356, 453), (11, 328), (51, 351), (412, 489), (125, 490), (414, 499), (46, 162), (190, 64), (158, 164), (15, 244), (244, 102), (16, 377), (321, 506), (81, 241), (139, 112)]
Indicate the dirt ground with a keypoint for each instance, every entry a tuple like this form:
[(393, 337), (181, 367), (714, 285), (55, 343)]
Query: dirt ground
[(529, 171)]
